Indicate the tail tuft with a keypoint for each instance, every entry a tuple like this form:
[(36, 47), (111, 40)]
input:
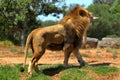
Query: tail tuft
[(22, 69)]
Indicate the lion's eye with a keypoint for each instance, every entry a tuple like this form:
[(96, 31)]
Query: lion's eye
[(82, 13)]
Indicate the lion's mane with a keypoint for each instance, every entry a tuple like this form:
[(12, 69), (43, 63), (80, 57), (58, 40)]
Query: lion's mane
[(77, 20)]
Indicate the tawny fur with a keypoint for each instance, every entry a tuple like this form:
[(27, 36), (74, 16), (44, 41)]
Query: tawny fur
[(67, 35)]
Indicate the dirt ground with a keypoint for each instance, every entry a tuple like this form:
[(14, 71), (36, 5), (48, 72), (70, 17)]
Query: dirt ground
[(91, 56)]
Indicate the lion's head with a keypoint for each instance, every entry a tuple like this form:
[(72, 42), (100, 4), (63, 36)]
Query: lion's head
[(79, 18)]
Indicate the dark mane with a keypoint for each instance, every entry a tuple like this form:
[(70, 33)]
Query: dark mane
[(75, 17), (72, 14)]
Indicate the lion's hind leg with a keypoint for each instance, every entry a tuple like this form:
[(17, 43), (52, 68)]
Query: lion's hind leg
[(38, 52)]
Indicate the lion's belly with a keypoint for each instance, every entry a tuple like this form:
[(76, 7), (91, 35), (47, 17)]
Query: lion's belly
[(56, 42)]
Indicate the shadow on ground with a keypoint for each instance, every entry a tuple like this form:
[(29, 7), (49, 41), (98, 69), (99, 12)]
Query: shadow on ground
[(100, 64), (53, 71), (58, 69)]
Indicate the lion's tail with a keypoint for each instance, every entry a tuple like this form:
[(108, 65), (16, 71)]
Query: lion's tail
[(29, 39)]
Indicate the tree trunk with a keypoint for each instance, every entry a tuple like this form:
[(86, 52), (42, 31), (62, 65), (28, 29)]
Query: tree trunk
[(23, 34), (22, 37)]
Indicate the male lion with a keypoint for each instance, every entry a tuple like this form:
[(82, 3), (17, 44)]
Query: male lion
[(68, 33)]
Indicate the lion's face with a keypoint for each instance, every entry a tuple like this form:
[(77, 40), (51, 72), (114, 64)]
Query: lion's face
[(85, 15), (79, 15)]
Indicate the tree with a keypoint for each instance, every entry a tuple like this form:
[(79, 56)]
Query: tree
[(103, 1), (48, 23), (115, 12), (19, 16), (109, 21), (101, 27), (13, 14)]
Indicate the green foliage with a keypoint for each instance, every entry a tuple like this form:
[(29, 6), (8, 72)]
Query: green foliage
[(105, 70), (103, 1), (102, 27), (19, 16), (109, 21), (13, 15), (115, 11), (112, 36), (48, 23), (14, 11), (6, 42), (115, 7)]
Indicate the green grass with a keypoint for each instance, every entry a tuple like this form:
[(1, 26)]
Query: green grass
[(30, 54), (105, 70), (9, 73), (85, 55), (36, 76), (74, 73), (114, 52), (21, 50), (13, 49)]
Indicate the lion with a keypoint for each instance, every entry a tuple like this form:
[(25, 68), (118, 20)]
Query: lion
[(67, 35)]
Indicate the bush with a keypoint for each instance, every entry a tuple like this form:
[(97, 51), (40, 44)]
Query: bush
[(108, 22), (6, 43)]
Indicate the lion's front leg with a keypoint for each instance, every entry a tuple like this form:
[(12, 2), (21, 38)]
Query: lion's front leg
[(68, 48), (79, 57)]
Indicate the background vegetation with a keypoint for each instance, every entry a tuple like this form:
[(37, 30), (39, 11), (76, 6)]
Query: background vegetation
[(108, 24), (19, 17)]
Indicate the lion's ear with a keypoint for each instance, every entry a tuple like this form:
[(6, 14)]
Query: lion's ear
[(82, 13)]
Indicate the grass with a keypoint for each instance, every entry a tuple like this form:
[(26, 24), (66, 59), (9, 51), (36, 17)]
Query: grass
[(114, 52), (30, 54), (74, 73), (13, 49), (105, 70), (9, 73), (98, 50), (21, 50), (85, 55), (39, 77)]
